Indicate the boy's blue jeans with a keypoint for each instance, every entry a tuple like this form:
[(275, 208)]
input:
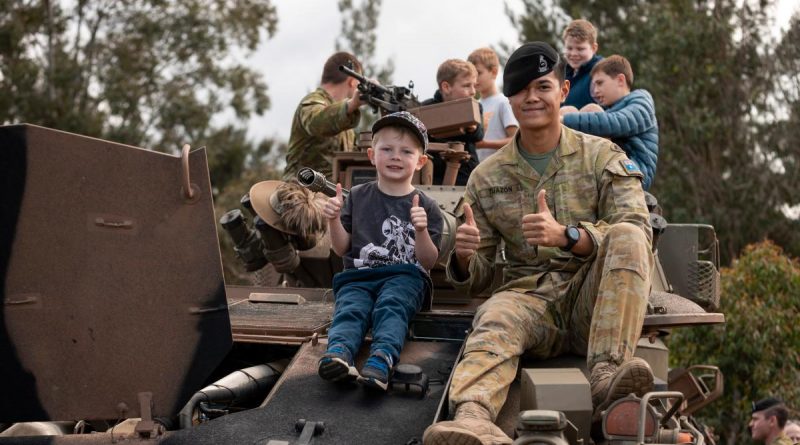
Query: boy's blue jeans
[(383, 297)]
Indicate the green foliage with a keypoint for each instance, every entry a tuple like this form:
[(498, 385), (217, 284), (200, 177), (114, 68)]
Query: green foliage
[(758, 348), (147, 73), (153, 74), (726, 95)]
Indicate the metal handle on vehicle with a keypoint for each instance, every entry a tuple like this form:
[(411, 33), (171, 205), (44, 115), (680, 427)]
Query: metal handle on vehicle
[(187, 184), (643, 410)]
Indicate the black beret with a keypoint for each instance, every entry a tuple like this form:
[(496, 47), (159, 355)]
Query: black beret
[(530, 61), (767, 403)]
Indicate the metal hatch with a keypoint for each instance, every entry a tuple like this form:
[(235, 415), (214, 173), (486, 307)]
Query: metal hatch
[(110, 278)]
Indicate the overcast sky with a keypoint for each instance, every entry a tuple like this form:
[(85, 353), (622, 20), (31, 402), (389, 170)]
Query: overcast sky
[(416, 34)]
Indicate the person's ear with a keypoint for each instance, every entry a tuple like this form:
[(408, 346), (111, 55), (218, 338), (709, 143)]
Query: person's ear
[(594, 47), (564, 90), (495, 70), (371, 155), (621, 82), (445, 87), (421, 161)]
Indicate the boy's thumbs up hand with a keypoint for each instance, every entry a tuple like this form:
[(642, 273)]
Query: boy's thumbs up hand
[(541, 229), (333, 207), (418, 216), (468, 237)]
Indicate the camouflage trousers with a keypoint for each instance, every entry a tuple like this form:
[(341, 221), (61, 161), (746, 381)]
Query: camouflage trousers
[(597, 312)]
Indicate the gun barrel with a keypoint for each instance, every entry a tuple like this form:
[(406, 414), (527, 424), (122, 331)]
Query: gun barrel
[(352, 73), (363, 80), (316, 182)]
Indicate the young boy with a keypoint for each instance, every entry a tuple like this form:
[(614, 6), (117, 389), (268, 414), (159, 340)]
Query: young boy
[(499, 123), (580, 50), (629, 118), (456, 79), (388, 234)]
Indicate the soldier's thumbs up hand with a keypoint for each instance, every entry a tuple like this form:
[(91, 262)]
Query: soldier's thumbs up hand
[(418, 216), (542, 198), (468, 237), (469, 218), (333, 207), (541, 229)]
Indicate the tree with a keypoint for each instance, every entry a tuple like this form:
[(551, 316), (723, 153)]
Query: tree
[(758, 348), (154, 74), (728, 132), (148, 73)]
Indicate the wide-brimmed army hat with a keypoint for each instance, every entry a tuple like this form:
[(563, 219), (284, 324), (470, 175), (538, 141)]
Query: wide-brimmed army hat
[(266, 204), (290, 208)]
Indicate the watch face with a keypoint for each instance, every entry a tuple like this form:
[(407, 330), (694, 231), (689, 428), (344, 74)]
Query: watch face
[(573, 233)]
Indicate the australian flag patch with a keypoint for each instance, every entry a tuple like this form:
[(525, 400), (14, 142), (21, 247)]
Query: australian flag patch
[(630, 166)]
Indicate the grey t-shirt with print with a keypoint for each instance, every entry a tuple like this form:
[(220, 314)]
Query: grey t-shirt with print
[(380, 227)]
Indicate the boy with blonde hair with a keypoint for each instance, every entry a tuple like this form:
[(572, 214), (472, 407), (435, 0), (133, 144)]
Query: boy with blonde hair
[(499, 123), (456, 79), (627, 117), (387, 255), (580, 50)]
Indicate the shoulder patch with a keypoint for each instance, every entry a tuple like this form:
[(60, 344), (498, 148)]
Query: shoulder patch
[(630, 166), (624, 167)]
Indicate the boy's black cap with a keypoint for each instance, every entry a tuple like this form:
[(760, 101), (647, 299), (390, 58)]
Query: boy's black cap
[(528, 62), (767, 403), (404, 119)]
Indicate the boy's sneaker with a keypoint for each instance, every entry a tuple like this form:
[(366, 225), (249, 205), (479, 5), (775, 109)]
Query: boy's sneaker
[(376, 371), (337, 364)]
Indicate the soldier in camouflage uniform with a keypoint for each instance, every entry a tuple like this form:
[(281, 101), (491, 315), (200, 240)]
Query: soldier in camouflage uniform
[(323, 122), (571, 212), (767, 421)]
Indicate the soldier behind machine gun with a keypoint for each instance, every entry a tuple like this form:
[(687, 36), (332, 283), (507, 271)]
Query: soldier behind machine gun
[(324, 120)]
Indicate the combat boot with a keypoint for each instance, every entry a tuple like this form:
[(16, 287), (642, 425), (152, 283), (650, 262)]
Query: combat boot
[(472, 425), (610, 382)]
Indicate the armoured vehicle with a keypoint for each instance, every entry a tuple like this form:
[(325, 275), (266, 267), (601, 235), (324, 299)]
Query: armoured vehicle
[(116, 325)]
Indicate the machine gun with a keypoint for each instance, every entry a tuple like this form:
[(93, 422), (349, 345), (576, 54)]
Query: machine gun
[(389, 99)]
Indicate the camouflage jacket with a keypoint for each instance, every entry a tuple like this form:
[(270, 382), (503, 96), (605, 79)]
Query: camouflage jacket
[(782, 440), (589, 183), (319, 128)]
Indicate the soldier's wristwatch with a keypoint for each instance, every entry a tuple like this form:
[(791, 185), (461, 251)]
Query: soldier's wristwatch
[(573, 235)]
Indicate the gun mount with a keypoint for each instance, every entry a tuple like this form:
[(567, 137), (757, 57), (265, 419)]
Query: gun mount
[(442, 120)]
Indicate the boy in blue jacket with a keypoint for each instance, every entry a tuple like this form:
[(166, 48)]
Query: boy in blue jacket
[(580, 52), (628, 119)]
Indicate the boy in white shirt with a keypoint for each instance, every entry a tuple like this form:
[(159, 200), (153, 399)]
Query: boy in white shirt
[(499, 123)]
